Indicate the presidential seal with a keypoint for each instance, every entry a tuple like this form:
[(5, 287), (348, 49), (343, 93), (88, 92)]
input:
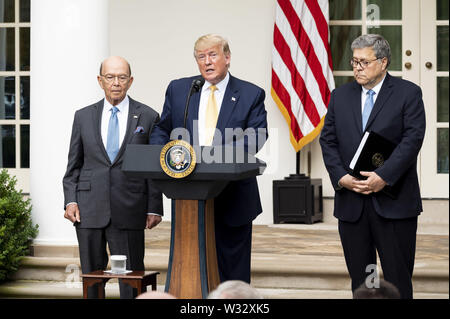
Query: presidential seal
[(177, 159), (377, 159)]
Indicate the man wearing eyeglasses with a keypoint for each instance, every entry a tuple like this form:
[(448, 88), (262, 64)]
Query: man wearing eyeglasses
[(369, 220), (106, 206)]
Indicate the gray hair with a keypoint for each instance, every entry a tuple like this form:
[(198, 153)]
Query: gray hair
[(235, 289), (379, 45)]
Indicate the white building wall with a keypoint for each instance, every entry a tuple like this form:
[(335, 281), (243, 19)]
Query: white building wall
[(157, 38), (69, 39)]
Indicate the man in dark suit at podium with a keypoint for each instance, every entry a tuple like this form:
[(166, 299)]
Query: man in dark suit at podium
[(223, 102), (105, 205), (369, 220)]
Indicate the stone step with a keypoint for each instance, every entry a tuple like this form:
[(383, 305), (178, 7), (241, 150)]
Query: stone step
[(54, 290), (285, 258), (268, 271)]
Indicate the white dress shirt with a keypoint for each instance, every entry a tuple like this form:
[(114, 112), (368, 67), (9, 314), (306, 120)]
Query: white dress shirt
[(376, 89), (122, 117), (204, 96)]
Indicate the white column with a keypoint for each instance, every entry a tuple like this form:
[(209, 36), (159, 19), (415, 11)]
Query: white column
[(69, 39)]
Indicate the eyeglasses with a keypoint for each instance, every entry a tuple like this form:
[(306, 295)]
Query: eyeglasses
[(362, 63), (121, 78)]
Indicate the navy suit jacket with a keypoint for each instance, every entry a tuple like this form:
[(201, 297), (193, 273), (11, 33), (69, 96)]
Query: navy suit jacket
[(399, 116), (242, 107)]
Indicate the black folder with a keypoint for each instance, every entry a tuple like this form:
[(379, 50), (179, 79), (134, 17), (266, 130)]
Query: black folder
[(372, 152)]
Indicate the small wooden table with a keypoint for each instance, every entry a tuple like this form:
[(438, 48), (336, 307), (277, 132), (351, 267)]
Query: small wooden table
[(136, 279)]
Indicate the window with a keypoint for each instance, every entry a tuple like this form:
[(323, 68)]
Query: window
[(15, 84), (352, 18), (442, 85)]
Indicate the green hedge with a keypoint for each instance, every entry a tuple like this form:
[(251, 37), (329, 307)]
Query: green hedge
[(16, 227)]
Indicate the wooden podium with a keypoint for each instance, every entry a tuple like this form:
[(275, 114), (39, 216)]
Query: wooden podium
[(193, 270)]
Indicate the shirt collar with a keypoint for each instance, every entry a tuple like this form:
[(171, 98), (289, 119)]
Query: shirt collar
[(221, 86), (121, 106), (376, 88)]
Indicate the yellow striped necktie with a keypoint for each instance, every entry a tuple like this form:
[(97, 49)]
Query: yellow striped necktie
[(211, 117)]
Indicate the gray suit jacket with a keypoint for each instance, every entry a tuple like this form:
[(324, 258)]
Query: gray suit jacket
[(100, 188)]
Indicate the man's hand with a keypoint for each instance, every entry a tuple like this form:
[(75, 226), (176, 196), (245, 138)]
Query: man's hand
[(152, 221), (72, 213), (372, 184)]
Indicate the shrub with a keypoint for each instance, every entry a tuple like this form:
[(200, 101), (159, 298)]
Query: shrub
[(16, 228)]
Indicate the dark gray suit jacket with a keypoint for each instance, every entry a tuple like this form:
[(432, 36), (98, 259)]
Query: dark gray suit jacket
[(100, 188)]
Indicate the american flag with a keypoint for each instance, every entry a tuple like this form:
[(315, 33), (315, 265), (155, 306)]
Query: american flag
[(302, 75)]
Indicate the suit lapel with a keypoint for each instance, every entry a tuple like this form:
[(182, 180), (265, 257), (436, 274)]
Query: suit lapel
[(133, 119), (97, 118), (230, 99), (194, 104), (356, 105), (385, 93)]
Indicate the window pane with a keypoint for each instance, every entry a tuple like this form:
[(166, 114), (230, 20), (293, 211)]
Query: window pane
[(7, 146), (340, 41), (442, 9), (25, 49), (393, 34), (7, 55), (25, 97), (25, 146), (442, 141), (386, 10), (442, 48), (442, 99), (345, 9), (340, 80), (7, 98), (6, 11), (24, 10)]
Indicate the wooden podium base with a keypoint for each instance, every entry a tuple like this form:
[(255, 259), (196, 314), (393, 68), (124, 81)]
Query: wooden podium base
[(192, 271)]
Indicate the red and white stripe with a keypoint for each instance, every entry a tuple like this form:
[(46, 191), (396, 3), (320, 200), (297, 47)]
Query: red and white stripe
[(302, 75)]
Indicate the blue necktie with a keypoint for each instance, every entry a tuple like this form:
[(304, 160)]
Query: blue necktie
[(368, 106), (112, 143)]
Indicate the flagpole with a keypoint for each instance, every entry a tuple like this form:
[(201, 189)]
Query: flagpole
[(297, 166), (289, 78), (297, 174)]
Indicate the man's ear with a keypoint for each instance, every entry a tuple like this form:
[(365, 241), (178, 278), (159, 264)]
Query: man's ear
[(228, 59), (130, 81), (385, 64), (100, 82)]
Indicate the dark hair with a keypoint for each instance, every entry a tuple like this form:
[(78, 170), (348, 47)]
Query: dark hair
[(386, 290)]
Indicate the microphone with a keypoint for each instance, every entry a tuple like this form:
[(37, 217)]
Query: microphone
[(196, 85)]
